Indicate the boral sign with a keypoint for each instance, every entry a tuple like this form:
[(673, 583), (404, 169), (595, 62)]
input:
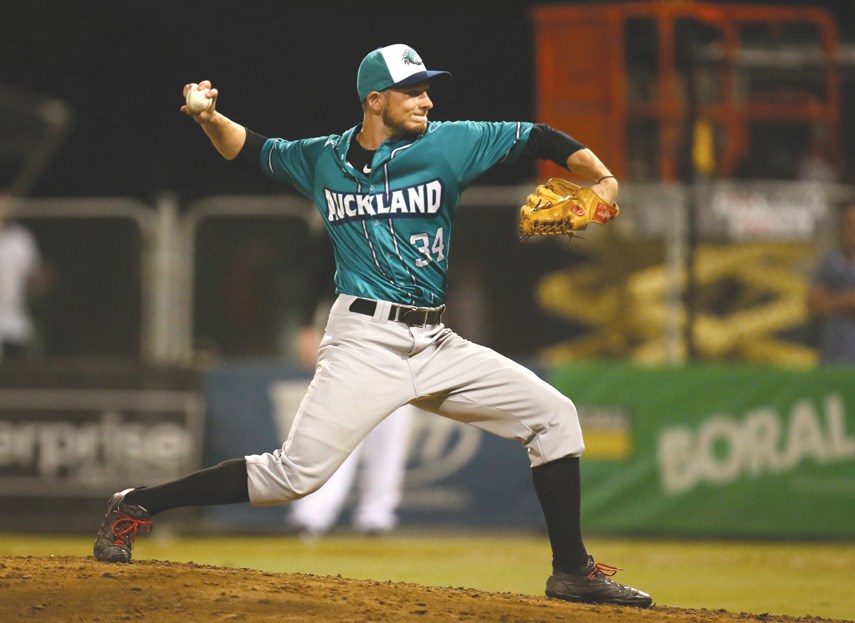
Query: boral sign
[(724, 448)]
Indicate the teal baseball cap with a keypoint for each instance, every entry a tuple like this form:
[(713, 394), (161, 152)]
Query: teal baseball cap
[(395, 65)]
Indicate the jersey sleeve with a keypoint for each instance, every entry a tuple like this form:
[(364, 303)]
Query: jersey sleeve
[(292, 161), (475, 146)]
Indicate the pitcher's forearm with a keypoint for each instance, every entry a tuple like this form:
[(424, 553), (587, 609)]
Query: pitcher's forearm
[(227, 136), (586, 164)]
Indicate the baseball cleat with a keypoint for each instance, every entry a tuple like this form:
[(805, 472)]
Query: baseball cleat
[(119, 529), (592, 584)]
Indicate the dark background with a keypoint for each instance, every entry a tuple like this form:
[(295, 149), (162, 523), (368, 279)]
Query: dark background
[(283, 68)]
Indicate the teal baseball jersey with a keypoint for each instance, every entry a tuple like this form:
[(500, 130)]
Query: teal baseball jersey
[(391, 227)]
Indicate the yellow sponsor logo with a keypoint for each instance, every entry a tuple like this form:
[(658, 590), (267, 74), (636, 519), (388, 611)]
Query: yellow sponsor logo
[(749, 298), (607, 431)]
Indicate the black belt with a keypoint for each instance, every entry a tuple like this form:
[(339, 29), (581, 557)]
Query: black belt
[(411, 316)]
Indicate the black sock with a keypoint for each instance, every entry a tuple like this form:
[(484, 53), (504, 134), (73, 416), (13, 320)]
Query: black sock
[(225, 483), (558, 487)]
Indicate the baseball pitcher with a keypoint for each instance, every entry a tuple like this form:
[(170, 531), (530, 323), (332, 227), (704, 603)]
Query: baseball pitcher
[(388, 190)]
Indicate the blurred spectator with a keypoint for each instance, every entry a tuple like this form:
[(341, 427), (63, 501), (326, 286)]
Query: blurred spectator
[(831, 295), (379, 461), (819, 163), (21, 275)]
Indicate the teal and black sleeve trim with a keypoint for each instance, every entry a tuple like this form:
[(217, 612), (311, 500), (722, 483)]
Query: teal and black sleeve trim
[(250, 154), (547, 143)]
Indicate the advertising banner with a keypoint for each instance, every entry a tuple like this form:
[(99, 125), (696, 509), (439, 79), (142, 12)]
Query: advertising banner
[(700, 450), (716, 450), (85, 432)]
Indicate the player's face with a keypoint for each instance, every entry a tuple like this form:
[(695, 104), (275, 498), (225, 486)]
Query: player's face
[(405, 111)]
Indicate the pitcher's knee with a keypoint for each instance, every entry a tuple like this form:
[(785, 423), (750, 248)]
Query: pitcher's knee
[(273, 479), (557, 436)]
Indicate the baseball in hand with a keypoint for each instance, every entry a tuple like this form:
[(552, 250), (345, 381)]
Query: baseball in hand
[(198, 101)]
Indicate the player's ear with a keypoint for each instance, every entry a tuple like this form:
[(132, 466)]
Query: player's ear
[(375, 101)]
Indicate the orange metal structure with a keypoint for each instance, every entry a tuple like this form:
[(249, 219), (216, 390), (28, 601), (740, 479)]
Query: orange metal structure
[(594, 83)]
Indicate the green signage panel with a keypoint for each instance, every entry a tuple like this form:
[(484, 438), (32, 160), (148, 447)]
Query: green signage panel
[(716, 450)]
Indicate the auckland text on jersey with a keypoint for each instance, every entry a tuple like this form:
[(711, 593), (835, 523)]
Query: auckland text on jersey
[(421, 199)]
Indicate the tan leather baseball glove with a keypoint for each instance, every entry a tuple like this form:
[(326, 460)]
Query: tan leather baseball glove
[(561, 208)]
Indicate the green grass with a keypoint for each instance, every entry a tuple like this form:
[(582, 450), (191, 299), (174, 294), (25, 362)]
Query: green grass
[(796, 579)]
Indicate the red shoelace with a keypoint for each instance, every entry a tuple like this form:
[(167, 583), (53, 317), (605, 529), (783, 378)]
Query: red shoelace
[(125, 529), (603, 569)]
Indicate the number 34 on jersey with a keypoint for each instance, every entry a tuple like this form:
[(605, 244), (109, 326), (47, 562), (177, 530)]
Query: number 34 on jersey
[(433, 251)]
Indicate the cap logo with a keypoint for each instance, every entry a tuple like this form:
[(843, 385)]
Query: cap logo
[(409, 57)]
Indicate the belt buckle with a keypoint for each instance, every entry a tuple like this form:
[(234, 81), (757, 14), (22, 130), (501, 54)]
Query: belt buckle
[(416, 310)]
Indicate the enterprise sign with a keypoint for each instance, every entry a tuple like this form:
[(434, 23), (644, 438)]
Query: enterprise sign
[(81, 442)]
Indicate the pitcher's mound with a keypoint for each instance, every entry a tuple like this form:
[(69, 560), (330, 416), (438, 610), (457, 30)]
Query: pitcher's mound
[(67, 589)]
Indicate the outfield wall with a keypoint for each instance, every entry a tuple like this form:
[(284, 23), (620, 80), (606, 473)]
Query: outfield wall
[(691, 451), (701, 450), (72, 432), (717, 450)]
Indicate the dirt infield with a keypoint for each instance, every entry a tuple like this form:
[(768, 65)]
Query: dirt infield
[(68, 589)]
